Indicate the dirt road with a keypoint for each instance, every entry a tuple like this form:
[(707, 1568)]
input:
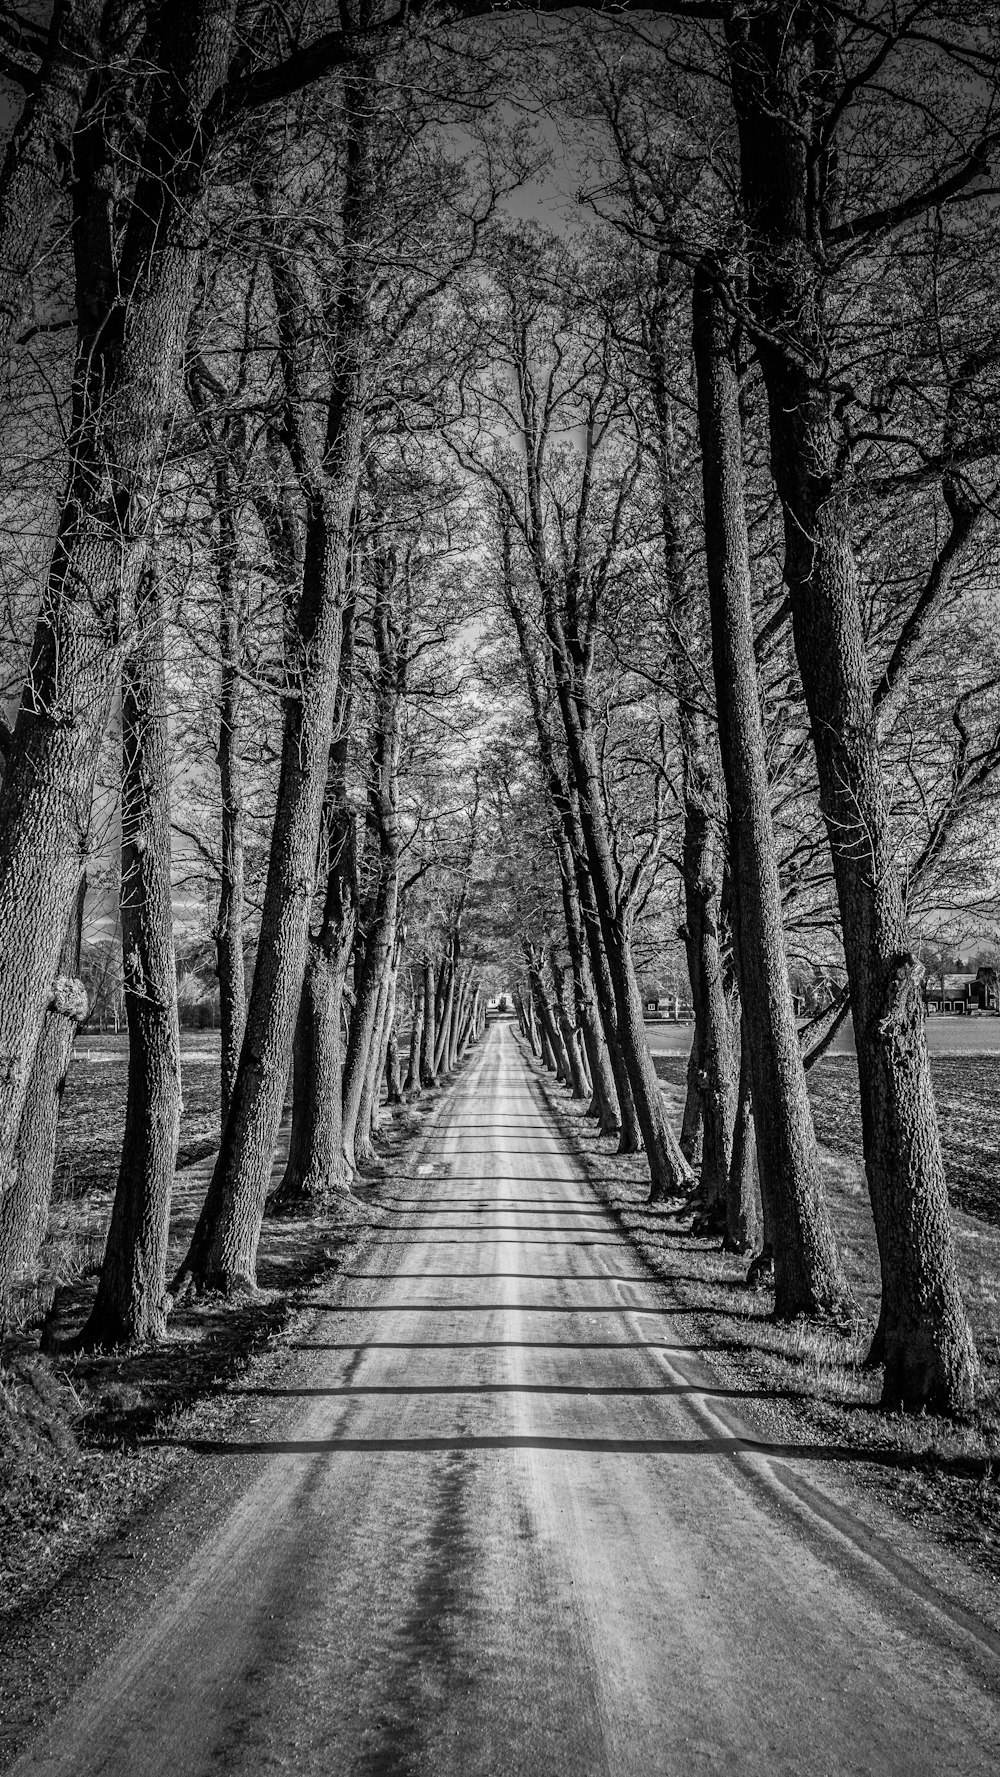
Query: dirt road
[(505, 1523)]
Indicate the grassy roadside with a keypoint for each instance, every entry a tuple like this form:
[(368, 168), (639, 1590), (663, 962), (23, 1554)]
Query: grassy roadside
[(77, 1452), (803, 1382)]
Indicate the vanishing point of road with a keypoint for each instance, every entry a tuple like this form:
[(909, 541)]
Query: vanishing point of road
[(496, 1516)]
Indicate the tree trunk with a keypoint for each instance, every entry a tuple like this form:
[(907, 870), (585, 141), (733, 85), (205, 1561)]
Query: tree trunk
[(367, 1022), (702, 873), (223, 1252), (808, 1275), (604, 1103), (548, 1059), (229, 922), (613, 1095), (24, 1205), (393, 1067), (577, 1079), (630, 1137), (133, 307), (669, 1171), (363, 1065), (526, 1021), (131, 1303), (551, 1033), (473, 1025), (368, 1106), (691, 1127), (717, 1084), (742, 1221), (315, 1170), (39, 154), (413, 1084), (458, 1010), (927, 1346), (446, 1003), (428, 1042)]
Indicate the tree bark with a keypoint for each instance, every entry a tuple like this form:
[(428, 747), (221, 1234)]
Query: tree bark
[(131, 1303), (742, 1221), (578, 1081), (362, 1067), (133, 307), (712, 1050), (223, 1252), (630, 1133), (613, 1096), (526, 1021), (315, 1170), (668, 1170), (229, 921), (39, 155), (604, 1103), (808, 1273), (24, 1204), (446, 1005), (790, 195), (551, 1033), (413, 1085), (428, 1042)]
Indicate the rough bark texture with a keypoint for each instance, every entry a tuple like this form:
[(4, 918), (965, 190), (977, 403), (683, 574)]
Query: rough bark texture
[(743, 1229), (526, 1020), (315, 1170), (548, 1023), (428, 1038), (38, 160), (445, 1007), (604, 1103), (781, 72), (630, 1133), (133, 304), (808, 1274), (370, 1113), (131, 1301), (229, 919), (711, 1047), (545, 1047), (608, 1074), (668, 1170), (223, 1250), (413, 1085), (706, 1129), (27, 1193), (362, 1065), (578, 1078)]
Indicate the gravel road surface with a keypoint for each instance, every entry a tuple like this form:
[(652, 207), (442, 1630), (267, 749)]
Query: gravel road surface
[(499, 1518)]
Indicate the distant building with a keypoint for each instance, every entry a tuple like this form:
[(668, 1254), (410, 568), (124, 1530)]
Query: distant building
[(658, 1003), (963, 993)]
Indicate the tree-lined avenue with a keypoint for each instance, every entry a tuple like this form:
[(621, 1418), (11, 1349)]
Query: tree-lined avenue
[(499, 1517)]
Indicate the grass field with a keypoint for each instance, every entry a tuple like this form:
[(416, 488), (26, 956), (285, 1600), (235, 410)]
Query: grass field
[(965, 1064), (965, 1061), (92, 1120)]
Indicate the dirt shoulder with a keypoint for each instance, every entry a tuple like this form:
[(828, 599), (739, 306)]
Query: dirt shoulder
[(929, 1488), (85, 1440)]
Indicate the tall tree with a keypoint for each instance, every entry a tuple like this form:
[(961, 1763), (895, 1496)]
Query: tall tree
[(807, 1270)]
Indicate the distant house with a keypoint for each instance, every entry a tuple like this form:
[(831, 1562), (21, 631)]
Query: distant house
[(658, 1003), (963, 993)]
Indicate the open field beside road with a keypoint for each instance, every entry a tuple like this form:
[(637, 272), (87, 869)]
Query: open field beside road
[(945, 1036), (965, 1060), (92, 1118), (965, 1066)]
